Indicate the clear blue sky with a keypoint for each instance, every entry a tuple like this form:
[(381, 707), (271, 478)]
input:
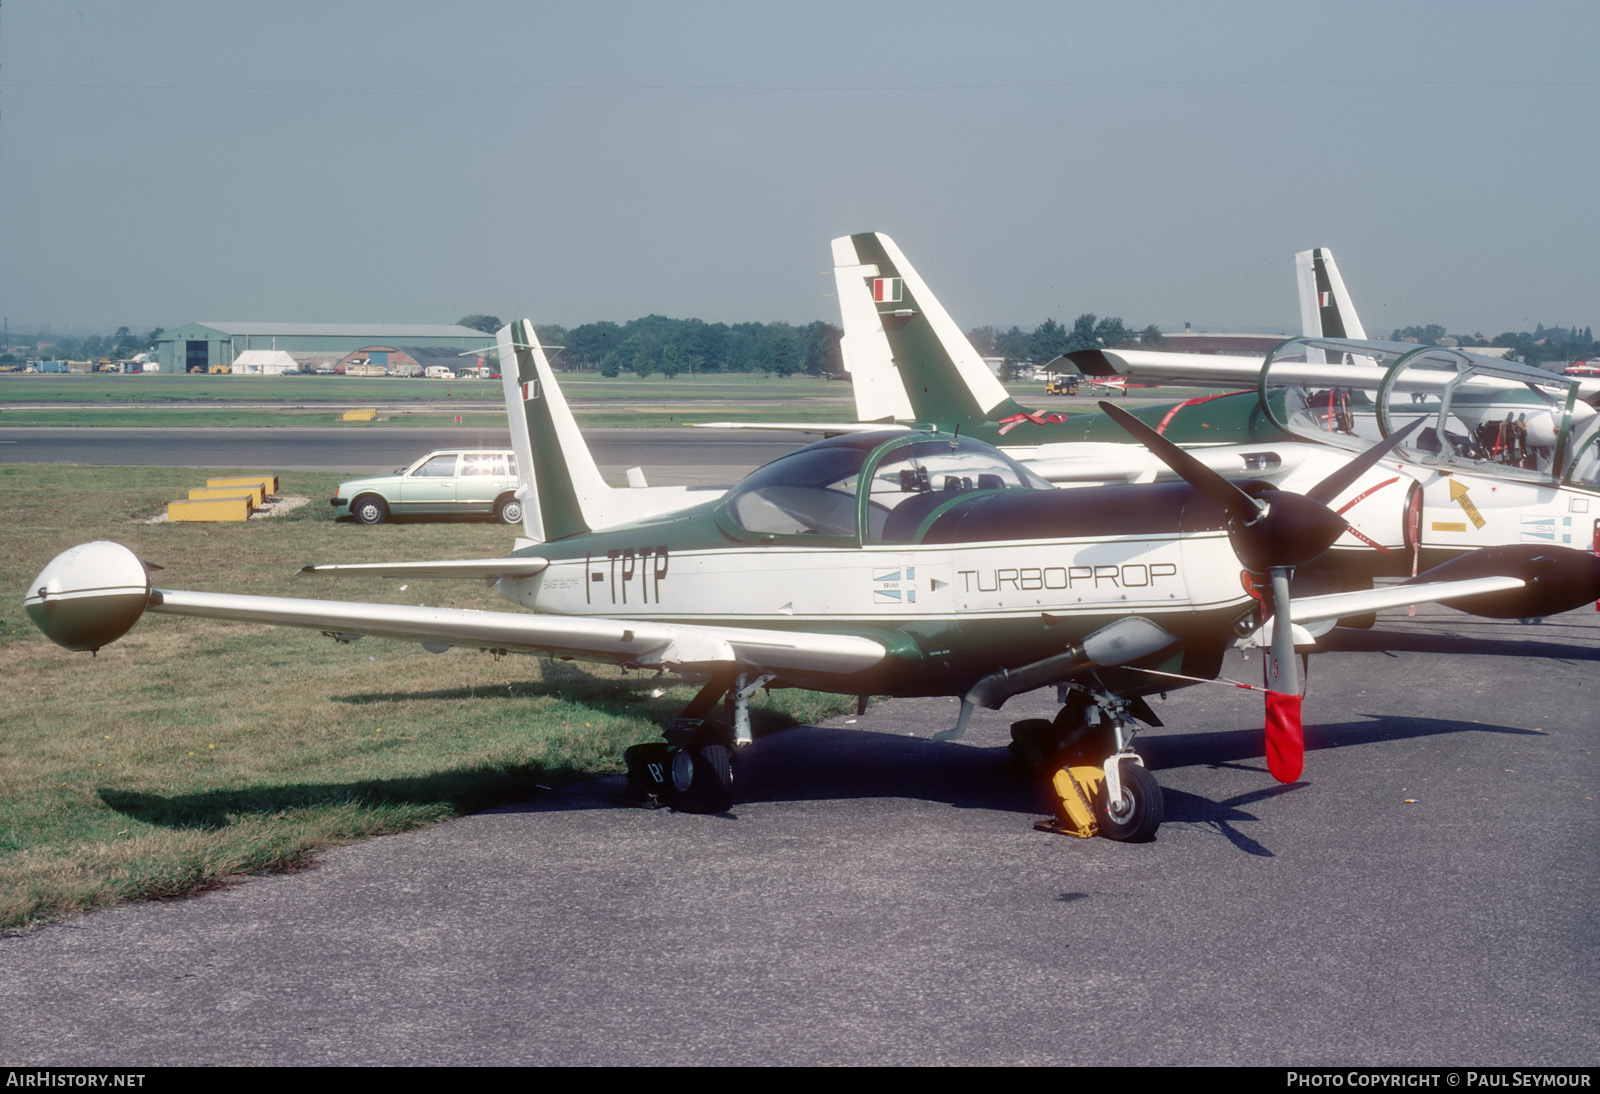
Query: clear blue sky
[(173, 160)]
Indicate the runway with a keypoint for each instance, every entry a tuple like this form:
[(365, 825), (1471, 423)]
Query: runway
[(670, 457)]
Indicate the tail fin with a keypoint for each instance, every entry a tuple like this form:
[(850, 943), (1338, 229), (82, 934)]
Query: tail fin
[(908, 359), (1325, 307), (562, 491), (554, 465)]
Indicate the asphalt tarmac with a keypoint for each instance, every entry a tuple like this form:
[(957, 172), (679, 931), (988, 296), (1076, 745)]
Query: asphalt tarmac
[(1426, 894), (670, 457)]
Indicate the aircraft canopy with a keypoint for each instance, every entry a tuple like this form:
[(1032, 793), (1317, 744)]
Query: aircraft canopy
[(869, 487)]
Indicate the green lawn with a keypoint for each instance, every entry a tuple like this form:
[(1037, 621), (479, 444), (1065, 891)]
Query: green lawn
[(195, 750)]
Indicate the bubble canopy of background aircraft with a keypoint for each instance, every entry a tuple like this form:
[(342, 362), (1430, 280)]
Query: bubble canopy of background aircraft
[(1481, 413)]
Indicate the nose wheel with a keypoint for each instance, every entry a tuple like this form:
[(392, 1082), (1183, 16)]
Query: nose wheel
[(1136, 814), (1098, 784)]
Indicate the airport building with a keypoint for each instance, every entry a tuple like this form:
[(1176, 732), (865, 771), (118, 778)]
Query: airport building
[(405, 348)]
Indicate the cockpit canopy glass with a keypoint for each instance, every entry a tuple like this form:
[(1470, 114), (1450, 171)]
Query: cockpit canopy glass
[(912, 480), (1478, 412), (864, 485)]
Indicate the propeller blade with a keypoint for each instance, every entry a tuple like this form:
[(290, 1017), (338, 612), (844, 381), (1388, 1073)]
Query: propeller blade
[(1271, 528), (1272, 531), (1241, 507), (1332, 486), (1286, 743), (1285, 739)]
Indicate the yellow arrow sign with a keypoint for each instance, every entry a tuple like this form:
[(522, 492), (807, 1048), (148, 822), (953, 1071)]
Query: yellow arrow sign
[(1458, 494)]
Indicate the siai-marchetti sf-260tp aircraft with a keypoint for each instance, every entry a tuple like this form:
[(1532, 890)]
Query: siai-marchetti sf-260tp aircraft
[(910, 562)]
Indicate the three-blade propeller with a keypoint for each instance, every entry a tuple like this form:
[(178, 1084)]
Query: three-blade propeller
[(1272, 532)]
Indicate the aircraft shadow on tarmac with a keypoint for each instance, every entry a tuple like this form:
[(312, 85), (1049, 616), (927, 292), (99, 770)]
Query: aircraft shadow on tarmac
[(1561, 645), (1236, 746), (460, 791), (809, 763)]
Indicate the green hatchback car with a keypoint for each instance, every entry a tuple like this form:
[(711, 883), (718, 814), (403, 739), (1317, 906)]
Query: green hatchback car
[(479, 481)]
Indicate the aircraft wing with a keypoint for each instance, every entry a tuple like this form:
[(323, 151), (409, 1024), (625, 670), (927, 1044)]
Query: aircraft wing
[(833, 428), (489, 569), (618, 641), (1316, 609), (1215, 370), (1307, 610), (90, 595), (1088, 462), (1361, 368)]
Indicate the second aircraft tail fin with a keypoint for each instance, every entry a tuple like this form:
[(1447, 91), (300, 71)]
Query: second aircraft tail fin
[(907, 358), (1326, 310)]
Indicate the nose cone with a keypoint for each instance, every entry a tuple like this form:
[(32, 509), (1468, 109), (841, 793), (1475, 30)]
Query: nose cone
[(88, 595), (1295, 530)]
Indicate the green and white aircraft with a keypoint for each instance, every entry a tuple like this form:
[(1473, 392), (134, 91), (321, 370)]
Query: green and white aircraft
[(908, 562)]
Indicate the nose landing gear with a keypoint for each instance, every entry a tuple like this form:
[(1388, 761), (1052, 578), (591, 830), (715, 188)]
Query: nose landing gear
[(1100, 786)]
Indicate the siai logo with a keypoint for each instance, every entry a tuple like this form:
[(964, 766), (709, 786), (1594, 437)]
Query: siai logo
[(1547, 529), (894, 586)]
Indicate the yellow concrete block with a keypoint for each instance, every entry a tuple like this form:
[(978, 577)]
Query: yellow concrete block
[(234, 508), (256, 493), (364, 414), (268, 482)]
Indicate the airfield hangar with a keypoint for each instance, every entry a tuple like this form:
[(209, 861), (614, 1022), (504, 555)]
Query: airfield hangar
[(397, 347)]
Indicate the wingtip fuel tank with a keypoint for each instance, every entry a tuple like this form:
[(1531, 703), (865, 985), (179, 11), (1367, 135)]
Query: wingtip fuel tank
[(89, 595)]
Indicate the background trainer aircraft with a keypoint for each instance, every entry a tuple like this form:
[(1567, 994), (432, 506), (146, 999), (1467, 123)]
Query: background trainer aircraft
[(1508, 453), (902, 563)]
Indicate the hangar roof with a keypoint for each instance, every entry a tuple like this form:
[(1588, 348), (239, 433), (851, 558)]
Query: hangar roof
[(381, 331)]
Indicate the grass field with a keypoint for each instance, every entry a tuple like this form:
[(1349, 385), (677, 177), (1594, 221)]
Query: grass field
[(192, 751)]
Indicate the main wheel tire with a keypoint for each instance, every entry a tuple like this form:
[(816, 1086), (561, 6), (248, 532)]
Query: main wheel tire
[(700, 779), (1034, 743), (509, 511), (368, 509), (1135, 818)]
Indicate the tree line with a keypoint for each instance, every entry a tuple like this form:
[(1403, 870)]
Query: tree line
[(1557, 345), (118, 346), (656, 345)]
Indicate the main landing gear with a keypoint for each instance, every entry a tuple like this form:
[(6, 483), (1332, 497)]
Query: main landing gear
[(692, 769), (1100, 785)]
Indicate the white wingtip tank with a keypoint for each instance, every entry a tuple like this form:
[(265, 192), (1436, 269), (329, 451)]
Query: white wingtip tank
[(89, 596)]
